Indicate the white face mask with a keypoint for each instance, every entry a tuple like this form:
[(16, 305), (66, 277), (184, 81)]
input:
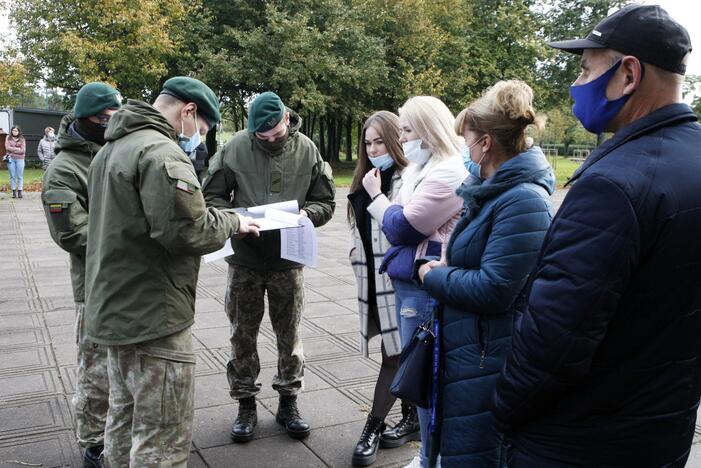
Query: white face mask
[(51, 135), (415, 153)]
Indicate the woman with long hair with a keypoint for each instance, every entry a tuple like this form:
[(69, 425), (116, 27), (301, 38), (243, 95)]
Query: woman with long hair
[(492, 251), (381, 153), (418, 221), (15, 146)]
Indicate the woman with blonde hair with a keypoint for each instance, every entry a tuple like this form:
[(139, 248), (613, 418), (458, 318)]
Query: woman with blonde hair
[(418, 221), (45, 150), (381, 153), (481, 280)]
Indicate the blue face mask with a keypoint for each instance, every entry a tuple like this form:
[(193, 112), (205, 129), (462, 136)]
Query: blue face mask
[(592, 107), (383, 162), (472, 167), (188, 144)]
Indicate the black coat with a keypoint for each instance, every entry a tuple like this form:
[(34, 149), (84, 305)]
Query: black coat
[(605, 368)]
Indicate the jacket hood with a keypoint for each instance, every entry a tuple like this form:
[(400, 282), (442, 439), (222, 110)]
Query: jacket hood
[(531, 166), (135, 116), (67, 141)]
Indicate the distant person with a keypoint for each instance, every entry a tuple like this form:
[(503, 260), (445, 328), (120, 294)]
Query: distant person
[(492, 250), (147, 228), (605, 368), (65, 198), (381, 152), (270, 161), (199, 159), (529, 142), (15, 146), (419, 220), (45, 149)]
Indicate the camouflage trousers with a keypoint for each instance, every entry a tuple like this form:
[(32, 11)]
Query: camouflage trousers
[(152, 393), (91, 397), (245, 307)]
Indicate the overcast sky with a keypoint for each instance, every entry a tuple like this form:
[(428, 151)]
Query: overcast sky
[(687, 12)]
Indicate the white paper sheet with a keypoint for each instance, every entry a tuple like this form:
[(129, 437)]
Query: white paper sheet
[(299, 244), (221, 253)]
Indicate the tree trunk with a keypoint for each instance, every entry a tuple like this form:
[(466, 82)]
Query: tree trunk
[(322, 139), (360, 136), (312, 121), (349, 138)]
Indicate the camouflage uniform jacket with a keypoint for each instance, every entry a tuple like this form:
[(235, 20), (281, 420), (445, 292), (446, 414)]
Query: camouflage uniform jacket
[(65, 198), (245, 174), (148, 226)]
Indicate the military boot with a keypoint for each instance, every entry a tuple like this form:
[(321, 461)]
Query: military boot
[(288, 416), (406, 430), (14, 194), (19, 194), (245, 425), (93, 457), (365, 452)]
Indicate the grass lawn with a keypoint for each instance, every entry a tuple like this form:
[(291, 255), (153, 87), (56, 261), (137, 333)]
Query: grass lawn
[(32, 180)]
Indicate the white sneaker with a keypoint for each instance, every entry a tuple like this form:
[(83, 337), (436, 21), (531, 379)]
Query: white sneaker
[(415, 463)]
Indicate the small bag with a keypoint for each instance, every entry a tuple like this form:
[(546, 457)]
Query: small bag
[(7, 158), (414, 378)]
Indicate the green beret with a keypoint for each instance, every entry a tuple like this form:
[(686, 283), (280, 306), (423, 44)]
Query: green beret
[(95, 97), (189, 89), (265, 112)]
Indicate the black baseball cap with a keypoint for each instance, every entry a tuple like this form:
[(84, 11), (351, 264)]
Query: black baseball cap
[(643, 31)]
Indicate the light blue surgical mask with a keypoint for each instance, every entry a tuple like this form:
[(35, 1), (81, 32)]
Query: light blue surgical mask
[(189, 144), (472, 167), (382, 162), (415, 153)]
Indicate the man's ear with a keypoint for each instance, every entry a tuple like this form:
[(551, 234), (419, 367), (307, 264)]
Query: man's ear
[(632, 70), (487, 143)]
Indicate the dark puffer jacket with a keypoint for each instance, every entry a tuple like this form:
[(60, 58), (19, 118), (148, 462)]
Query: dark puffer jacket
[(605, 366), (493, 249)]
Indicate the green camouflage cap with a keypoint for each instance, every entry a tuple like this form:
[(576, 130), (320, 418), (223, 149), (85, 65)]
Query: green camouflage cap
[(189, 89), (265, 112), (95, 97)]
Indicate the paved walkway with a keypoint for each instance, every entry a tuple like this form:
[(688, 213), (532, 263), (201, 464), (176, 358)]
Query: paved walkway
[(37, 358)]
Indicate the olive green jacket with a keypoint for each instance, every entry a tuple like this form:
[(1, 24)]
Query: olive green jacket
[(147, 227), (245, 174), (65, 198)]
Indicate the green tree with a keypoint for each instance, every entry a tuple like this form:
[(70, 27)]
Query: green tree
[(15, 81)]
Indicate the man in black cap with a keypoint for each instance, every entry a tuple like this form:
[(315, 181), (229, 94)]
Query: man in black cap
[(147, 227), (605, 368), (271, 161)]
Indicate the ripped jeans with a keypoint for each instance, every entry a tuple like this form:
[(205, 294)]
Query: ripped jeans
[(414, 306)]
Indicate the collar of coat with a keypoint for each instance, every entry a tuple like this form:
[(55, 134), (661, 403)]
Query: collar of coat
[(673, 114)]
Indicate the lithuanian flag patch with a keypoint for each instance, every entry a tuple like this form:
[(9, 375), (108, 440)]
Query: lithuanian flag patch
[(184, 186)]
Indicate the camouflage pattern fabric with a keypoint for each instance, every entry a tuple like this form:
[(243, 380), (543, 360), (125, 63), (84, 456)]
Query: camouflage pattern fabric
[(91, 397), (152, 392), (244, 306)]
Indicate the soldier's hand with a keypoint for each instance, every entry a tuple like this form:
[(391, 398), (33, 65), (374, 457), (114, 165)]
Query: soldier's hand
[(247, 226)]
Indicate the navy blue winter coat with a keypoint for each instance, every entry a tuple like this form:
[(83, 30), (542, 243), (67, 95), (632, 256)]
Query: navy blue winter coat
[(492, 251), (605, 367)]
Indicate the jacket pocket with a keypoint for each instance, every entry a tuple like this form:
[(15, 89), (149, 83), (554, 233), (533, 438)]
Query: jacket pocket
[(482, 339), (57, 205), (173, 373), (188, 201)]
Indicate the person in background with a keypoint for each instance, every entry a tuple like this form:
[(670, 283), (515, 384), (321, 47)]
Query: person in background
[(605, 368), (491, 252), (529, 142), (380, 151), (65, 199), (15, 145), (45, 149), (419, 220), (199, 159)]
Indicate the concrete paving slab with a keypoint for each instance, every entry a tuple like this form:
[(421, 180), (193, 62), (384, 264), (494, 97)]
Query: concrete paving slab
[(279, 451)]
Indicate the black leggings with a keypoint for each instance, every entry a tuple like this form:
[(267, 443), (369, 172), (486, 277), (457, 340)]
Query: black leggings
[(383, 400)]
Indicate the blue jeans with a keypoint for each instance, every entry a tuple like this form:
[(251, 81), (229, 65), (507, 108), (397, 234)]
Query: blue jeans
[(16, 168), (414, 306)]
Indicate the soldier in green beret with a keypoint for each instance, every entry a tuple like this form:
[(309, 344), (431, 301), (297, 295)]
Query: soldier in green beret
[(147, 228), (65, 199), (271, 161)]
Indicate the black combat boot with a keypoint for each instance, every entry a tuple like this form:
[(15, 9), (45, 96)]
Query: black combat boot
[(245, 425), (365, 452), (19, 194), (93, 457), (288, 416), (14, 194), (407, 429)]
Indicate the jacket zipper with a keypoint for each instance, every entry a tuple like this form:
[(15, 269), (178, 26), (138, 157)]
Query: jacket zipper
[(482, 334)]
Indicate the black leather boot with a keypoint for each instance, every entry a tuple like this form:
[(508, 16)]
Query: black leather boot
[(245, 425), (406, 430), (365, 452), (19, 194), (93, 457), (14, 194), (288, 416)]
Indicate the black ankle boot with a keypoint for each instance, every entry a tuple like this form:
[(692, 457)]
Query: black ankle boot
[(14, 194), (288, 416), (365, 452), (93, 457), (406, 430), (19, 194), (245, 425)]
